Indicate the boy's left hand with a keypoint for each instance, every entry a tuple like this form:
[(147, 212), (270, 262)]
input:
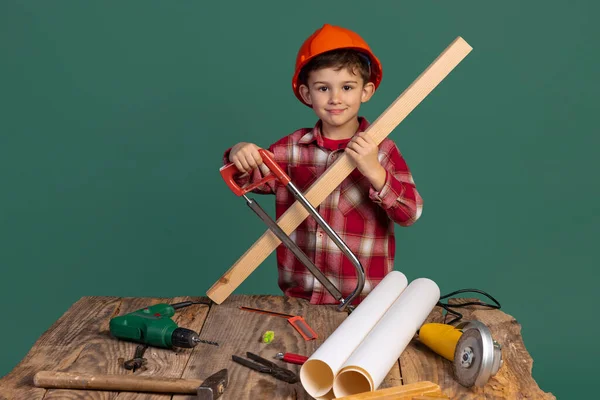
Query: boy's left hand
[(363, 151)]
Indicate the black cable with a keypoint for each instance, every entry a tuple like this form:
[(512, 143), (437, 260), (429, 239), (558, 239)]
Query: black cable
[(449, 307), (450, 311)]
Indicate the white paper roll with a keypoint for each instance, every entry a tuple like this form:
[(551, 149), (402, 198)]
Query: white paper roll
[(371, 361), (318, 372)]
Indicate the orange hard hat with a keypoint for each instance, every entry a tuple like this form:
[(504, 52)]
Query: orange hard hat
[(330, 37)]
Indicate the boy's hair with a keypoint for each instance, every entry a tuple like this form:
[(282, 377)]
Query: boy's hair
[(356, 62)]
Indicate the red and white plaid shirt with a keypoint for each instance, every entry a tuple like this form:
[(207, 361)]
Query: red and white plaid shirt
[(361, 216)]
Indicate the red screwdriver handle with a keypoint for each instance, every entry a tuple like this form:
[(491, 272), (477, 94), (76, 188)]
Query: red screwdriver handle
[(230, 171), (294, 358), (291, 358)]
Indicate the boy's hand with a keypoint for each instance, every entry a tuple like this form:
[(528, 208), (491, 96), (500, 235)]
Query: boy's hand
[(363, 151), (246, 157)]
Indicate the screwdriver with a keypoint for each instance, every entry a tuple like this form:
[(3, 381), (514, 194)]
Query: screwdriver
[(291, 358)]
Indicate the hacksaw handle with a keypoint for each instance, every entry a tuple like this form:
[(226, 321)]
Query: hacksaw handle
[(230, 171)]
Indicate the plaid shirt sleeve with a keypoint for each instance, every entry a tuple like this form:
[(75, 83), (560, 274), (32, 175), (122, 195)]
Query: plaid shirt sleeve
[(399, 196)]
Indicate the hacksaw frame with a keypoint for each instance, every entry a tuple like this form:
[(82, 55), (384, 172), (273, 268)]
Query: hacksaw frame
[(341, 168)]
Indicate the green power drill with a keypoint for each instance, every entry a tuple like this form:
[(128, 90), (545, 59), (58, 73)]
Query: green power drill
[(153, 326)]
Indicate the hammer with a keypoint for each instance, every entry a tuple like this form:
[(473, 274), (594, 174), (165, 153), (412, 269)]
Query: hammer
[(210, 389)]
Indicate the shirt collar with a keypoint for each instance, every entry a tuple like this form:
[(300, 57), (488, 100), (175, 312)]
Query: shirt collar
[(315, 135)]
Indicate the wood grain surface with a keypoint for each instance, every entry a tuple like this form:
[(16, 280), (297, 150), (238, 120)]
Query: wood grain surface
[(80, 342)]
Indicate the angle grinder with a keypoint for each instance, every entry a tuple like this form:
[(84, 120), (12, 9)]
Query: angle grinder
[(475, 355)]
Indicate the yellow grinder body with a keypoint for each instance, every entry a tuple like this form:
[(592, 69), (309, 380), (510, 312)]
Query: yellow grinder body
[(441, 338)]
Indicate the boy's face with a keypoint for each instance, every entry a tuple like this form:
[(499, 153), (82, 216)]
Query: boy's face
[(336, 95)]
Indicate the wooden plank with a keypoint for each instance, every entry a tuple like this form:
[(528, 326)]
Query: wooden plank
[(106, 356), (407, 392), (341, 168), (240, 331), (512, 381), (59, 346)]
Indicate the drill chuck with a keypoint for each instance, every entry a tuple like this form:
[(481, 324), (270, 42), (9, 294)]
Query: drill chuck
[(183, 337), (187, 338)]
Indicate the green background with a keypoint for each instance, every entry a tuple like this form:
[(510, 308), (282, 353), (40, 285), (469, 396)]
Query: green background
[(114, 117)]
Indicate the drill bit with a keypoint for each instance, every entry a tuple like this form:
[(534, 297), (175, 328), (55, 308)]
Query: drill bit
[(198, 340)]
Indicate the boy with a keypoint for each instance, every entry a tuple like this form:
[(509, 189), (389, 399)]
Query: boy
[(335, 72)]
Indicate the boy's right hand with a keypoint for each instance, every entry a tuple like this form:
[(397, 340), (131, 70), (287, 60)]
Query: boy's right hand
[(246, 157)]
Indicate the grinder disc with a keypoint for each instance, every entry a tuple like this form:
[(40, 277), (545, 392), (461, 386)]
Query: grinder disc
[(467, 358), (477, 356)]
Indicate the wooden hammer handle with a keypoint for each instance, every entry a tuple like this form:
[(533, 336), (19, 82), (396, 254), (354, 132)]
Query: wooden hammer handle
[(131, 383)]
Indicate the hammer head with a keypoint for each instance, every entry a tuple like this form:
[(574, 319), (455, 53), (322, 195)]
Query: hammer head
[(213, 386)]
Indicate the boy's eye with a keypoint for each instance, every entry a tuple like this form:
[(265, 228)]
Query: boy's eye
[(347, 87), (322, 88)]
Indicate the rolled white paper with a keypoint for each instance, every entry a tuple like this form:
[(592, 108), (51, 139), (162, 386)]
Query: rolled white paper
[(371, 361), (318, 372)]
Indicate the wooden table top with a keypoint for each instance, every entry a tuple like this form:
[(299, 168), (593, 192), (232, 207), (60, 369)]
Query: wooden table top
[(80, 342)]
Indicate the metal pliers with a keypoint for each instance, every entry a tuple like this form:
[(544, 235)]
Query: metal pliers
[(267, 367)]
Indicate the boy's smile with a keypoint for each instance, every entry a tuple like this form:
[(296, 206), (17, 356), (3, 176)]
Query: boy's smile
[(336, 95)]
